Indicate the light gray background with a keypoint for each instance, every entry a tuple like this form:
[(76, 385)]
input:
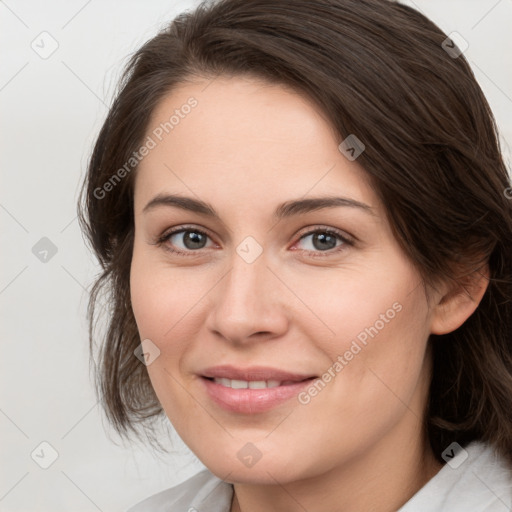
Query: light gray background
[(51, 111)]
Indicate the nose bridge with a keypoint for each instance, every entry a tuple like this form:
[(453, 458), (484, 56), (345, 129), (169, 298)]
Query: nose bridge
[(246, 302), (245, 286)]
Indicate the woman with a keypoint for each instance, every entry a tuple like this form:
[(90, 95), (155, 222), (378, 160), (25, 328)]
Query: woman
[(304, 223)]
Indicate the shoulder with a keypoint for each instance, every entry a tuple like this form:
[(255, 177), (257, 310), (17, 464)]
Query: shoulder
[(474, 479), (201, 490)]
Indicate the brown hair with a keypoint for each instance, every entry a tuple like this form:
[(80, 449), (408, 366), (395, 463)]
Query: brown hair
[(377, 69)]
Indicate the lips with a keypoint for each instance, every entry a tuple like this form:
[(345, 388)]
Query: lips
[(253, 373), (251, 390)]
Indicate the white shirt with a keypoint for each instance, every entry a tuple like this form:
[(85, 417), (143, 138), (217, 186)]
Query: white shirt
[(474, 480)]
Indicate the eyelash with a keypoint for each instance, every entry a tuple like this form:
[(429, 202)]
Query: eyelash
[(315, 254)]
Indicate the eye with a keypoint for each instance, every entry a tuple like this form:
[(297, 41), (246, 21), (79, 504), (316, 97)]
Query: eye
[(325, 240), (191, 240)]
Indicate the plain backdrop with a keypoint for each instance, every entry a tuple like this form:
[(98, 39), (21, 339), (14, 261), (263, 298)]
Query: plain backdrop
[(60, 64)]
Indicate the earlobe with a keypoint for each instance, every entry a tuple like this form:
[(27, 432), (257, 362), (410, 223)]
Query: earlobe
[(459, 302)]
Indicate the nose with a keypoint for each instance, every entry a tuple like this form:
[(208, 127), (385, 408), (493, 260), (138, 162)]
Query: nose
[(248, 303)]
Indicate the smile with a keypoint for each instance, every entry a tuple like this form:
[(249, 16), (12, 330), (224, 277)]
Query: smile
[(251, 390)]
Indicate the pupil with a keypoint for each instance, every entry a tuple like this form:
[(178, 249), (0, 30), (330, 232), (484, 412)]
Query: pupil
[(194, 240), (322, 238)]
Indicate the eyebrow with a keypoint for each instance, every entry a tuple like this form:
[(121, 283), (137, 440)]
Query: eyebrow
[(286, 209)]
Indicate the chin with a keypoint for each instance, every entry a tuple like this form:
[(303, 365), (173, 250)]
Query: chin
[(237, 466), (264, 474)]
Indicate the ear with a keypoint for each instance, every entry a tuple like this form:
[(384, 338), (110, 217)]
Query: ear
[(457, 302)]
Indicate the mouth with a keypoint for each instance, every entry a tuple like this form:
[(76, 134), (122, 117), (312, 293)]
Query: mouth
[(251, 390), (253, 384)]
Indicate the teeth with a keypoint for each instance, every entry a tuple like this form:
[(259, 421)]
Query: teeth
[(239, 384), (244, 384)]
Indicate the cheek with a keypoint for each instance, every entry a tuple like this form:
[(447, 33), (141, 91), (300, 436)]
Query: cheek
[(379, 328), (163, 299), (167, 305), (162, 303), (356, 304), (380, 357)]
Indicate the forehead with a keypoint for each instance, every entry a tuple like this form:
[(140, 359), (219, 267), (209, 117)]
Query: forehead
[(243, 135)]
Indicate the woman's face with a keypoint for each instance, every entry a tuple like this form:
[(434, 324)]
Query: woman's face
[(268, 286)]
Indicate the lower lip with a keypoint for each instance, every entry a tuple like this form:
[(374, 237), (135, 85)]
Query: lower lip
[(250, 401)]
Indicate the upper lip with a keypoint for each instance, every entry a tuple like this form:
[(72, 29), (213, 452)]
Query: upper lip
[(253, 373)]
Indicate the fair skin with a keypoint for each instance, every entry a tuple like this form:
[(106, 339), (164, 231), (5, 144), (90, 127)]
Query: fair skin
[(246, 148)]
